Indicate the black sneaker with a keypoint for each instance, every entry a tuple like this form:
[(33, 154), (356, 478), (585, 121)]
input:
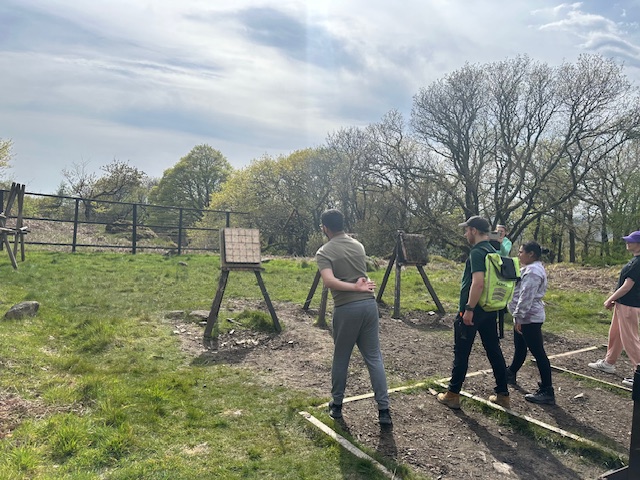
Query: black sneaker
[(544, 396), (511, 378), (335, 411), (384, 417)]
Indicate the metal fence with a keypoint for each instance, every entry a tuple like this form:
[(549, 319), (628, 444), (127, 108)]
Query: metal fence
[(111, 225)]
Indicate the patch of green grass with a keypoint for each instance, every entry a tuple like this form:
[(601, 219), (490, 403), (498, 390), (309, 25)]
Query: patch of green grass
[(576, 312), (255, 320), (126, 403)]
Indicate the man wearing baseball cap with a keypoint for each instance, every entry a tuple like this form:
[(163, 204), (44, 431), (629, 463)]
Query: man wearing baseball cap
[(472, 318), (625, 303)]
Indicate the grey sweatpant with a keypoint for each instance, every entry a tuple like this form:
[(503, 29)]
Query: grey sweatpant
[(356, 323)]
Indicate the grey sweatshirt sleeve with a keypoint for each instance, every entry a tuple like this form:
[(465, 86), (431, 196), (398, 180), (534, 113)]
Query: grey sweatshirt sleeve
[(529, 285)]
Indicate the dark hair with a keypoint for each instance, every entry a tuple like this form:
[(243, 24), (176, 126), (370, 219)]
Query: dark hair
[(535, 248), (333, 219)]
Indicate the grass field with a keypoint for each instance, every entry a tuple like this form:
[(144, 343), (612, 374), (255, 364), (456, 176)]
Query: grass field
[(108, 393)]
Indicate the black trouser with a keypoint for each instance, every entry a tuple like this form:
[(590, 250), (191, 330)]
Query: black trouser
[(485, 325), (501, 322), (531, 338)]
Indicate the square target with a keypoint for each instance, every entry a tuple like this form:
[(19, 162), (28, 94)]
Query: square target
[(240, 247)]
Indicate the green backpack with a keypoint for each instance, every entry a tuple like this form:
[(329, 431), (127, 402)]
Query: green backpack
[(500, 279)]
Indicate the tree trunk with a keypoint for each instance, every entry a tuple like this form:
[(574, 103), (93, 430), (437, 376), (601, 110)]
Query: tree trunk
[(572, 237)]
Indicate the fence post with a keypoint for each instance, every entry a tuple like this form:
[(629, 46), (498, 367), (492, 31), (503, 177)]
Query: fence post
[(75, 226), (134, 230), (228, 215), (180, 233)]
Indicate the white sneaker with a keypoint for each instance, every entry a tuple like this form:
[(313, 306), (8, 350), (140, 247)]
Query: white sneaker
[(603, 366), (628, 382)]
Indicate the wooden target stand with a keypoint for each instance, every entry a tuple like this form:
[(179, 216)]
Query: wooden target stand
[(239, 251), (18, 231), (409, 250)]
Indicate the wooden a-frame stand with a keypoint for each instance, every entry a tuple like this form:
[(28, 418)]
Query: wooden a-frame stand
[(239, 250), (19, 230), (211, 330), (401, 256)]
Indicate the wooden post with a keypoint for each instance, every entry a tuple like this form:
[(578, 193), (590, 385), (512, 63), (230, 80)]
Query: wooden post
[(312, 291), (19, 224), (396, 296), (632, 471), (180, 232), (12, 257), (212, 320), (322, 314), (386, 276), (134, 230), (76, 214), (263, 289), (427, 283), (4, 231)]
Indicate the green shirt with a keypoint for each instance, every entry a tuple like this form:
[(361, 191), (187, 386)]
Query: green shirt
[(475, 263), (346, 257), (505, 247)]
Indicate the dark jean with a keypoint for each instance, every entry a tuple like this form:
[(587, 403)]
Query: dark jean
[(531, 338), (464, 336)]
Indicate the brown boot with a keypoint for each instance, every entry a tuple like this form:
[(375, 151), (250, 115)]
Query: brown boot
[(500, 399), (450, 399)]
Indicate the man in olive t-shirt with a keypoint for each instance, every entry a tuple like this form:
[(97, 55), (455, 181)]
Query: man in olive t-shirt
[(342, 265), (472, 318)]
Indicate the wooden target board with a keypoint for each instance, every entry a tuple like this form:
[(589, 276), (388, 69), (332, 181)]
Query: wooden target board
[(240, 247), (413, 249)]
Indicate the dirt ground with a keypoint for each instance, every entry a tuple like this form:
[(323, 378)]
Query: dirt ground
[(430, 438)]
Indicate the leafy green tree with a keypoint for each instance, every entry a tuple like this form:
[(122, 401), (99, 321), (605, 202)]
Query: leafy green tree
[(189, 184), (282, 196), (191, 181)]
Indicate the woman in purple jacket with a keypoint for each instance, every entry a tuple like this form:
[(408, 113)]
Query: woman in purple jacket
[(527, 309)]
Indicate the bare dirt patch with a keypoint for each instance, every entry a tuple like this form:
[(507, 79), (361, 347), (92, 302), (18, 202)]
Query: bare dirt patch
[(15, 409), (583, 279), (433, 440)]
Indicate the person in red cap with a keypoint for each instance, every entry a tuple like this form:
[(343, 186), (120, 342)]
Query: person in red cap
[(625, 303)]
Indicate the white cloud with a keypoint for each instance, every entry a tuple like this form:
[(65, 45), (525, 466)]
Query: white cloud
[(146, 81)]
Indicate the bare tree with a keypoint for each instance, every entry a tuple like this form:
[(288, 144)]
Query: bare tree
[(514, 140), (119, 181), (613, 189), (351, 149)]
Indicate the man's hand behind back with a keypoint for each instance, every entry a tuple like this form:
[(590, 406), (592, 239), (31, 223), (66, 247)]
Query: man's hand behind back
[(364, 284)]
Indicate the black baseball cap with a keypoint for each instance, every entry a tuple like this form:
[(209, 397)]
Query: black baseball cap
[(478, 223)]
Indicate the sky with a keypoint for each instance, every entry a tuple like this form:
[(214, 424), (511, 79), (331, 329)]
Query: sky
[(145, 81)]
